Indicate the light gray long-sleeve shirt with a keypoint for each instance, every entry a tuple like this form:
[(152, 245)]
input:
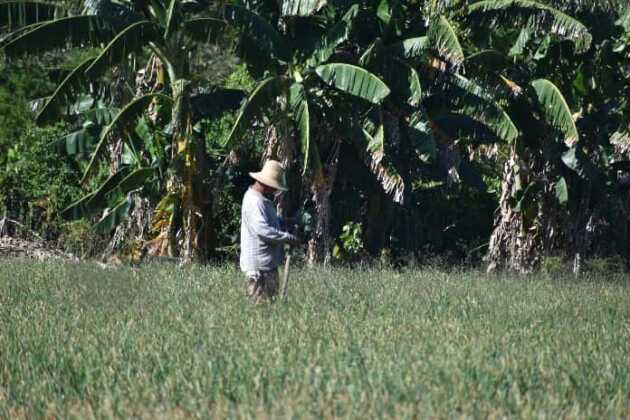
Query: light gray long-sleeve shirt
[(261, 238)]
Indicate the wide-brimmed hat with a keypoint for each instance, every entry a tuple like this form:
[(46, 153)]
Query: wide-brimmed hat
[(272, 175)]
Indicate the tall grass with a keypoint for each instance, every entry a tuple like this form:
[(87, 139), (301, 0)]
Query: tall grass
[(78, 341)]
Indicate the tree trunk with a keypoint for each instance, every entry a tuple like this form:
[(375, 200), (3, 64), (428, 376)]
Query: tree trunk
[(319, 247), (511, 248), (523, 236), (583, 228), (191, 175)]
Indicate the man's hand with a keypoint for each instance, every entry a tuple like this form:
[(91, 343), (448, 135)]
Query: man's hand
[(293, 240)]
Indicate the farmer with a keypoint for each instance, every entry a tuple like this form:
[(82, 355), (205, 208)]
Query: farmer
[(262, 240)]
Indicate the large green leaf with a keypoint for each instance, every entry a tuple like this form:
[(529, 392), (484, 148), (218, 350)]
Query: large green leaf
[(555, 110), (301, 7), (411, 47), (171, 17), (334, 37), (469, 99), (260, 31), (129, 40), (354, 81), (389, 12), (97, 200), (75, 31), (79, 142), (298, 102), (125, 119), (100, 116), (21, 13), (443, 39), (109, 193), (541, 18), (259, 101), (66, 92)]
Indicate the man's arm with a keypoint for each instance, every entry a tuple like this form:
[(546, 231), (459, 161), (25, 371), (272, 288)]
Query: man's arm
[(259, 223)]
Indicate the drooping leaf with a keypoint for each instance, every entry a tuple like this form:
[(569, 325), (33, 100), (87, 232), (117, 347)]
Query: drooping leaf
[(541, 18), (113, 217), (69, 32), (129, 40), (108, 194), (338, 34), (67, 92), (97, 200), (421, 138), (372, 53), (260, 31), (524, 36), (125, 119), (443, 39), (555, 110), (22, 13), (298, 101), (576, 160), (171, 18), (404, 82), (381, 166), (100, 116), (136, 179), (354, 81), (259, 101), (301, 7)]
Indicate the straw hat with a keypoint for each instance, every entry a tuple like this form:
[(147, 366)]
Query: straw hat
[(272, 175)]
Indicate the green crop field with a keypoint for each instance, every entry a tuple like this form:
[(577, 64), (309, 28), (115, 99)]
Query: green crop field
[(167, 342)]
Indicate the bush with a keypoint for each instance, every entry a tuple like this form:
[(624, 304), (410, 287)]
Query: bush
[(36, 183)]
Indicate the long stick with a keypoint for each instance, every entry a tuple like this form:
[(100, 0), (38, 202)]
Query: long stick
[(285, 276)]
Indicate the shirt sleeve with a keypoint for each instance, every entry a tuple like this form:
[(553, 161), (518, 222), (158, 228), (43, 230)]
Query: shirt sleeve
[(259, 223)]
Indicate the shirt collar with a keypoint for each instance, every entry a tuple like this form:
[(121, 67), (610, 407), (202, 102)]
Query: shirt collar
[(258, 193)]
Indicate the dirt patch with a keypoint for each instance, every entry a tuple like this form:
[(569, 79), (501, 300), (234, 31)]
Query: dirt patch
[(33, 249)]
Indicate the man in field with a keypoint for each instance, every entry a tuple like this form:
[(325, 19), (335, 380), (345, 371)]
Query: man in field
[(262, 240)]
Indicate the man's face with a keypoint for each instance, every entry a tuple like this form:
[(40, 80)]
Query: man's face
[(269, 192)]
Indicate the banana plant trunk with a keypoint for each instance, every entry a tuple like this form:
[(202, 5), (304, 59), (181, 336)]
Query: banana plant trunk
[(189, 232), (320, 244), (524, 236), (511, 246)]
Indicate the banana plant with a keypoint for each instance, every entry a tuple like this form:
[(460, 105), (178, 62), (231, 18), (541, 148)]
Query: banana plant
[(308, 79), (122, 34), (563, 179)]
